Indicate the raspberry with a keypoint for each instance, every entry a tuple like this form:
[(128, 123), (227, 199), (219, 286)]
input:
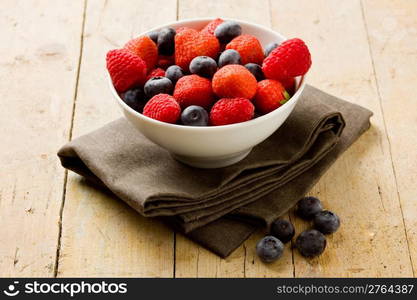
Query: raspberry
[(162, 107), (155, 73), (145, 48), (270, 95), (193, 90), (190, 43), (210, 27), (231, 110), (290, 59), (126, 69), (233, 81), (249, 48)]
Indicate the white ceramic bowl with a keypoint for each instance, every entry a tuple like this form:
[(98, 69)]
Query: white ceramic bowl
[(213, 146)]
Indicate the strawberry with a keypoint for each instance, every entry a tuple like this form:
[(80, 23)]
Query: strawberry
[(193, 90), (270, 95), (163, 107), (290, 59), (233, 81), (231, 110), (145, 48), (190, 43), (249, 48), (289, 84), (210, 27), (126, 69), (155, 73)]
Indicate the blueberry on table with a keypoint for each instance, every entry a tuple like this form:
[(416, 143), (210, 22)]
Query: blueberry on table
[(311, 243), (158, 85), (256, 70), (269, 249), (135, 99), (166, 41), (227, 31), (204, 66), (282, 230), (154, 36), (194, 116), (269, 48), (229, 57), (307, 207), (326, 222), (174, 73)]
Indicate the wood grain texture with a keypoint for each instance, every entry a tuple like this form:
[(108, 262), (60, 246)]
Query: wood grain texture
[(101, 236), (38, 65), (392, 31), (360, 186)]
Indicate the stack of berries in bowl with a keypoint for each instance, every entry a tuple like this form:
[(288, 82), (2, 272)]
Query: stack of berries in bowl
[(215, 76)]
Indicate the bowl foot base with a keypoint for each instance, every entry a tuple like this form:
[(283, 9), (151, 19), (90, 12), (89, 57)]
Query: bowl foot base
[(212, 162)]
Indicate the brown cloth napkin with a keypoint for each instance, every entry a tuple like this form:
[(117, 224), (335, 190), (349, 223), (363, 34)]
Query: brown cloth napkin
[(220, 208)]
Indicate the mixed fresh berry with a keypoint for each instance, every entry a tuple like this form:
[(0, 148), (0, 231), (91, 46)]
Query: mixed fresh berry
[(309, 243), (218, 75)]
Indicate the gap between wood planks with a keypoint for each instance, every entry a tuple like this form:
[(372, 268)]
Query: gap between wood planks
[(387, 135), (61, 210)]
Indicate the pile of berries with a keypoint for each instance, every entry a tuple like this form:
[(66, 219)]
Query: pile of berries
[(310, 243), (215, 76)]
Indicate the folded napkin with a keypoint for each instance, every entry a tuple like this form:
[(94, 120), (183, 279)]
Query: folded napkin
[(220, 208)]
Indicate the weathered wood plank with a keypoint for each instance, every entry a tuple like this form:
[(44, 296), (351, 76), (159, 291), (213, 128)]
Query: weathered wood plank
[(392, 30), (102, 237), (360, 187), (38, 68), (192, 260)]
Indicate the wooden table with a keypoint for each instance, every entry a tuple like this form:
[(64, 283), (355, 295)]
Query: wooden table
[(53, 88)]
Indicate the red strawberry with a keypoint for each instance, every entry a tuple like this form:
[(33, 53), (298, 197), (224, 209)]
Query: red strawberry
[(234, 81), (289, 84), (249, 48), (165, 61), (155, 73), (270, 95), (210, 27), (193, 90), (190, 43), (145, 48), (163, 107), (290, 59), (231, 110), (126, 69)]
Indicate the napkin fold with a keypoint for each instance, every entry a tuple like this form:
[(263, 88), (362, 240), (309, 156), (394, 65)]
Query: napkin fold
[(220, 208)]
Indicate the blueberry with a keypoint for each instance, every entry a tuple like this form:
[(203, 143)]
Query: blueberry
[(269, 48), (204, 66), (174, 73), (256, 70), (135, 99), (282, 230), (194, 116), (229, 57), (227, 31), (154, 36), (158, 85), (311, 243), (307, 207), (166, 41), (326, 222), (269, 249)]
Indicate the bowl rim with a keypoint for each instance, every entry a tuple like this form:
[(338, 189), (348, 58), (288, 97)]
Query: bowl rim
[(254, 121)]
